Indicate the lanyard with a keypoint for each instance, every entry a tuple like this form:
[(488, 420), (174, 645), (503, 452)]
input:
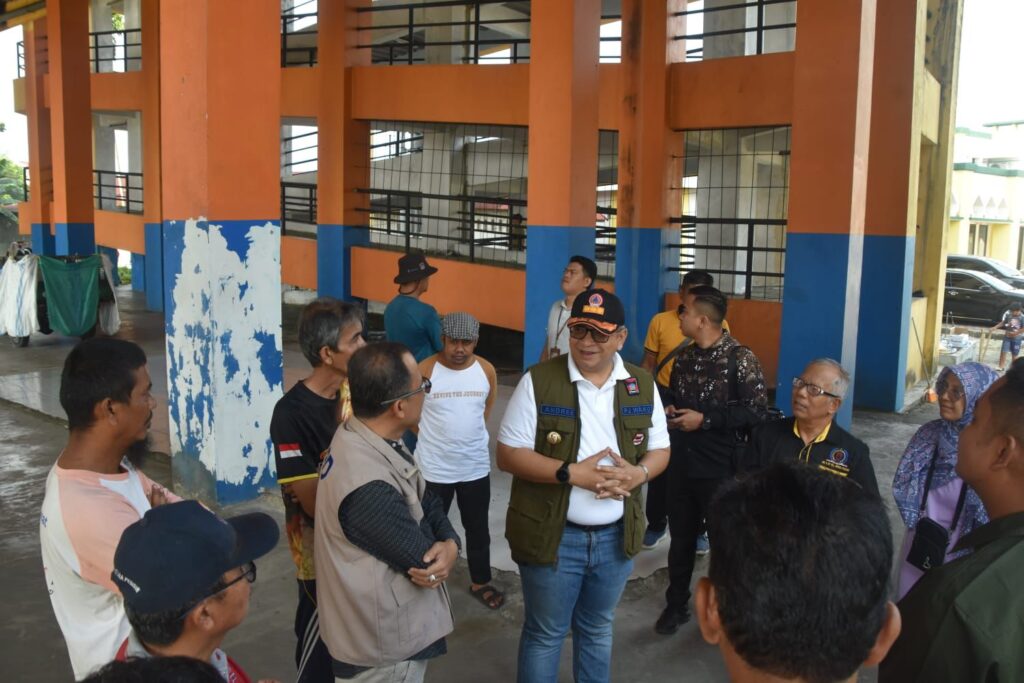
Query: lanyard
[(927, 485)]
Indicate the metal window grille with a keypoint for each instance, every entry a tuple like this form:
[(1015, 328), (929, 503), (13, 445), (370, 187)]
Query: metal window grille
[(454, 190), (299, 163), (736, 28), (116, 51), (611, 39), (299, 34), (298, 209), (117, 191), (606, 220), (447, 32), (735, 193), (21, 59)]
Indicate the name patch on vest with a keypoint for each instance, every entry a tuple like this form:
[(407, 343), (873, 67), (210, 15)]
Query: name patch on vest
[(557, 411), (629, 411)]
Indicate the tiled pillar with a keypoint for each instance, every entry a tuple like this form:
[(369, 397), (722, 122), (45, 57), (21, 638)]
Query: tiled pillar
[(828, 186), (563, 140), (220, 122)]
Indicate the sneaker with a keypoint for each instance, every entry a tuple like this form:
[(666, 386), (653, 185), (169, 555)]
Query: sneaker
[(703, 547), (653, 537), (671, 619)]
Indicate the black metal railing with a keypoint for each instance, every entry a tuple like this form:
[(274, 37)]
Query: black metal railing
[(298, 204), (404, 142), (117, 191), (744, 27), (24, 182), (110, 49), (299, 45), (746, 255), (292, 147), (21, 59), (487, 29)]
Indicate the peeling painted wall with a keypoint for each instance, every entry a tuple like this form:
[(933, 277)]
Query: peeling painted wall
[(224, 360)]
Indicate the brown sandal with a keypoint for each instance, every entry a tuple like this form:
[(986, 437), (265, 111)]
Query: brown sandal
[(489, 596)]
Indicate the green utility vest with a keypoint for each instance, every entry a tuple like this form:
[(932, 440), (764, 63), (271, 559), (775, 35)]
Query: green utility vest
[(536, 512)]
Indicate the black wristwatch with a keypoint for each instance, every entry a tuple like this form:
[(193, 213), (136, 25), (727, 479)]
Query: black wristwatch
[(706, 423), (562, 473)]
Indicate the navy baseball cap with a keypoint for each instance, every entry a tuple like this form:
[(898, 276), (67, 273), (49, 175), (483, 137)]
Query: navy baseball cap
[(178, 551), (599, 309)]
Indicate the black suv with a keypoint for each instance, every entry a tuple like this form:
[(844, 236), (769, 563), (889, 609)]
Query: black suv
[(977, 297), (993, 267)]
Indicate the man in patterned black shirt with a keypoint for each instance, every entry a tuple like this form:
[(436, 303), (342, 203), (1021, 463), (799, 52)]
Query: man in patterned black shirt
[(702, 410)]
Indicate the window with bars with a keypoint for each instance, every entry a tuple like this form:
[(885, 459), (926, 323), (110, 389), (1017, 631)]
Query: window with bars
[(455, 190), (735, 192)]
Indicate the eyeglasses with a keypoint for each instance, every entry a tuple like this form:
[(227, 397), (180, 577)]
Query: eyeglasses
[(248, 573), (579, 332), (943, 388), (812, 389), (424, 387)]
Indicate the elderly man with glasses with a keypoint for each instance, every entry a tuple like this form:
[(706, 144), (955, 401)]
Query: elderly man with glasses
[(811, 435), (185, 576), (582, 433), (383, 545)]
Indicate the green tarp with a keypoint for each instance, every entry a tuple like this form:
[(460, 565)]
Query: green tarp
[(72, 293)]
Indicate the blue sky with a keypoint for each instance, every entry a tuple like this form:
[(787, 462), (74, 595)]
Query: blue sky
[(989, 87)]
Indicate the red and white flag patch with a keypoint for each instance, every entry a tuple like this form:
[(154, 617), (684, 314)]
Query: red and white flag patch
[(289, 450)]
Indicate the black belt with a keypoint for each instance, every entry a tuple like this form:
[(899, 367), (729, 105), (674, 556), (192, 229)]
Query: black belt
[(593, 527)]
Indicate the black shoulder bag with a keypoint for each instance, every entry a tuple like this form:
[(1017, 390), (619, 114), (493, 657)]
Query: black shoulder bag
[(742, 435), (931, 539)]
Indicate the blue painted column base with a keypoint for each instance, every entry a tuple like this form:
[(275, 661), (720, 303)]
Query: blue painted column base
[(334, 258), (883, 336), (138, 272), (224, 359), (821, 300), (641, 280), (548, 250), (153, 282), (42, 240), (75, 238)]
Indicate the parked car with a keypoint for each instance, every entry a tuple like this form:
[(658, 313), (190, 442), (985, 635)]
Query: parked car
[(983, 264), (975, 297)]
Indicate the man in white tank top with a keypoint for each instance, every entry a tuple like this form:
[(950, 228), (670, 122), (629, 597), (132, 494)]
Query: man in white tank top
[(452, 450)]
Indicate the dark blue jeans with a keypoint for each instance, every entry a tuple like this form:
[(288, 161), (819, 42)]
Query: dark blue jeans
[(580, 591)]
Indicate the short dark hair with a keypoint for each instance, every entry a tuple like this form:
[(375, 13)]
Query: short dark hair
[(377, 373), (164, 628), (178, 669), (696, 277), (800, 568), (95, 370), (321, 323), (588, 266), (712, 302), (1007, 401)]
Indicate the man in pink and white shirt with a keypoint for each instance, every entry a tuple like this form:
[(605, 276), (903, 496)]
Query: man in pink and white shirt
[(94, 492)]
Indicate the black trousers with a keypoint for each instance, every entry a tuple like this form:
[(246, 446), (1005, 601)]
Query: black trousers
[(312, 660), (688, 505), (474, 505)]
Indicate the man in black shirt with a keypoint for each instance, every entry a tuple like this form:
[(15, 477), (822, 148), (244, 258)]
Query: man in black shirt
[(710, 405), (302, 427), (811, 435)]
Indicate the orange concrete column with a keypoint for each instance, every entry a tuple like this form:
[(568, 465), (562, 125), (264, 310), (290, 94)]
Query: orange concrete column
[(40, 160), (71, 126), (647, 169), (220, 155), (563, 139), (152, 193), (884, 332), (828, 186), (343, 163)]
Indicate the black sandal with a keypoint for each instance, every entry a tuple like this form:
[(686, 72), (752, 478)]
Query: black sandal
[(489, 596)]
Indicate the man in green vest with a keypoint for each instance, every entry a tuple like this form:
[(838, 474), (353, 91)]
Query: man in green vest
[(582, 433)]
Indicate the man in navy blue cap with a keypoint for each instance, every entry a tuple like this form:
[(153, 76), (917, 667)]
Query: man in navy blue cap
[(184, 574)]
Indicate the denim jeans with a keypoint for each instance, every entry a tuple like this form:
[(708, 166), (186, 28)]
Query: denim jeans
[(580, 591)]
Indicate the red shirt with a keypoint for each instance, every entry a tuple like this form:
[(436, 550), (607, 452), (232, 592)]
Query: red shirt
[(227, 667)]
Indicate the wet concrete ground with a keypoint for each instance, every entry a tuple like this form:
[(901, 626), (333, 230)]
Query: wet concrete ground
[(483, 646)]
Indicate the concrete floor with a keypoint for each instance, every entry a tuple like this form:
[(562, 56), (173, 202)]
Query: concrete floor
[(483, 646)]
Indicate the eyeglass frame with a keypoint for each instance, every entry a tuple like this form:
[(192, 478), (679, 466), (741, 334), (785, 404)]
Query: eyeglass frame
[(942, 387), (800, 383), (249, 574), (593, 333), (425, 386)]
